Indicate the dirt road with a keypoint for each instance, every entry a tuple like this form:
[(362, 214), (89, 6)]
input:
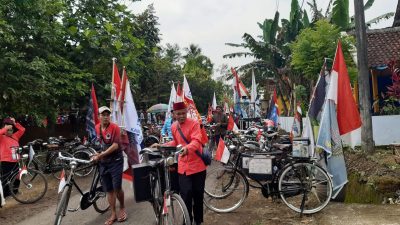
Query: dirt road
[(255, 211)]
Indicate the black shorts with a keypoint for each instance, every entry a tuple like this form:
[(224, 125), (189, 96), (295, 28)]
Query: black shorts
[(111, 175)]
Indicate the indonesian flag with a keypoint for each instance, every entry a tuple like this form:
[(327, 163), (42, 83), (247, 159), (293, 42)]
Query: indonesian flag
[(231, 124), (179, 93), (222, 153), (62, 182), (22, 172), (115, 91), (348, 117), (238, 85)]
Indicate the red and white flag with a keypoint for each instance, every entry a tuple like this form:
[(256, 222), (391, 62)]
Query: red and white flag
[(348, 117), (231, 124), (222, 153), (115, 91), (22, 171), (62, 182), (179, 93), (238, 85)]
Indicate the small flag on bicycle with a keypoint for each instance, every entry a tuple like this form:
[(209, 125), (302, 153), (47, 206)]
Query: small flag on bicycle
[(62, 182), (22, 171), (31, 154), (222, 153)]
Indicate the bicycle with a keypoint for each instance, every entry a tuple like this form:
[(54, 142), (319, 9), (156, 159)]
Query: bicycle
[(32, 183), (153, 178), (95, 196), (300, 183)]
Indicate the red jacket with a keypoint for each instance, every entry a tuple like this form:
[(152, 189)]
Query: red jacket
[(7, 142), (190, 163)]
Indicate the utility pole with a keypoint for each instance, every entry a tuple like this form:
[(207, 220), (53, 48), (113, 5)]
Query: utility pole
[(367, 141)]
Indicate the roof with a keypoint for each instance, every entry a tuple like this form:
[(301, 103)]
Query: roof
[(383, 46)]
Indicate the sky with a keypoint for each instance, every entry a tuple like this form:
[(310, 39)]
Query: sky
[(212, 23)]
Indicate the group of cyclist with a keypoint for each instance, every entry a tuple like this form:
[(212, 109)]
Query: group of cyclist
[(180, 129)]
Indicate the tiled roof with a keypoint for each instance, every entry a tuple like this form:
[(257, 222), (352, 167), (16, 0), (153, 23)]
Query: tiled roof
[(383, 46)]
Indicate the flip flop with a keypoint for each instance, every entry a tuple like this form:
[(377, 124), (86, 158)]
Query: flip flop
[(122, 216), (110, 221)]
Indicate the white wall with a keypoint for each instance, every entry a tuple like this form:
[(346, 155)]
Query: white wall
[(386, 130)]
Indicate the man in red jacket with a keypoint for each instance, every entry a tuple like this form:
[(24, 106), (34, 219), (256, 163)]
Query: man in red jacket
[(8, 155), (191, 169)]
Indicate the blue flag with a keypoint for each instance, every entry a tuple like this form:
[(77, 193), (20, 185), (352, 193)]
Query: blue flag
[(329, 140), (90, 121)]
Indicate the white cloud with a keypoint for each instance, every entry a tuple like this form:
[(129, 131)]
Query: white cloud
[(212, 23)]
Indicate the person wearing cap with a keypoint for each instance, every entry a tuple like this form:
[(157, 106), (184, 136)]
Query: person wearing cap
[(191, 168), (110, 164), (221, 121), (8, 155)]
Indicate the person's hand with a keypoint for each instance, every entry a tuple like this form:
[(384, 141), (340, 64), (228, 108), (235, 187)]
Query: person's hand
[(96, 157), (13, 119), (8, 127), (184, 151)]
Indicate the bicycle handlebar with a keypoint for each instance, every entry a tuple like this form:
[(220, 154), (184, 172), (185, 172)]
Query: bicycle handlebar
[(60, 156)]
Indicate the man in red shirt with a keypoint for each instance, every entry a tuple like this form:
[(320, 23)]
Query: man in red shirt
[(110, 164), (191, 168), (8, 155)]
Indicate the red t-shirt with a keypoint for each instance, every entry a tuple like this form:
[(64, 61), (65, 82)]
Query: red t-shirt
[(7, 142), (110, 135)]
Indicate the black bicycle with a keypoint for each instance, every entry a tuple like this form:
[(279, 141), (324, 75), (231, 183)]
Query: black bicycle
[(95, 196), (168, 206), (300, 183), (26, 185)]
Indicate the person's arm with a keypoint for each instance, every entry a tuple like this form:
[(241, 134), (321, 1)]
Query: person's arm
[(224, 122), (21, 130)]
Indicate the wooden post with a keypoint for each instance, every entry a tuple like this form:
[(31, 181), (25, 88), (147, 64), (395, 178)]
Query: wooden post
[(367, 141)]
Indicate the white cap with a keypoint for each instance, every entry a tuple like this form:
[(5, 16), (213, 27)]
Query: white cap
[(104, 108)]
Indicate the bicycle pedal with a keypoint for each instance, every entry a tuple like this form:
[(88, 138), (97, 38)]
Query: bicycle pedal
[(72, 210)]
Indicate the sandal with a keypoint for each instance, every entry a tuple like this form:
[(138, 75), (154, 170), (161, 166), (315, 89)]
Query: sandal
[(122, 216), (110, 221)]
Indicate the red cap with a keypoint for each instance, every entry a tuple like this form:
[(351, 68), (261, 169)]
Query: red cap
[(179, 106)]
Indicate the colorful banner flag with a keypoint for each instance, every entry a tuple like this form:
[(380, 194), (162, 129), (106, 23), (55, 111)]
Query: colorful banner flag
[(296, 127), (318, 96), (222, 154), (274, 109), (92, 116)]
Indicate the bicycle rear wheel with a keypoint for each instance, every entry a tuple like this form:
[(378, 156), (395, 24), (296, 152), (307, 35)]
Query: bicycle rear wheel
[(305, 187), (175, 213), (156, 202), (62, 204), (83, 169), (32, 187), (225, 190), (56, 165), (101, 205)]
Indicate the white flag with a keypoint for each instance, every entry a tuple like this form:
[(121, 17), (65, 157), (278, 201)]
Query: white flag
[(172, 98), (31, 154), (214, 103)]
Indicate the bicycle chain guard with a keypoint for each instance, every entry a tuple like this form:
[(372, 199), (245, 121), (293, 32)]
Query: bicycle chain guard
[(85, 202)]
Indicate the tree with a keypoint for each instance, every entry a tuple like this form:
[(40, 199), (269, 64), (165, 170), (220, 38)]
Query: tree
[(396, 21), (196, 64), (314, 44)]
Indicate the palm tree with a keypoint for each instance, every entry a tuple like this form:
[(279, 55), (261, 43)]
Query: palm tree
[(396, 22)]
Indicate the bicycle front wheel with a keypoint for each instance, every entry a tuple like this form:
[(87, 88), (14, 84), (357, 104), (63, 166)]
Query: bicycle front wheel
[(62, 204), (226, 190), (175, 212), (32, 186), (305, 187)]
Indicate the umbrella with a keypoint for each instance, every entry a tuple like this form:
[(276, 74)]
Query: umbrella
[(158, 108)]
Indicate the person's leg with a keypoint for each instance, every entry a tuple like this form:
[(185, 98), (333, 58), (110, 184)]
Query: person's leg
[(185, 190), (106, 181), (198, 196), (116, 173), (8, 168)]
